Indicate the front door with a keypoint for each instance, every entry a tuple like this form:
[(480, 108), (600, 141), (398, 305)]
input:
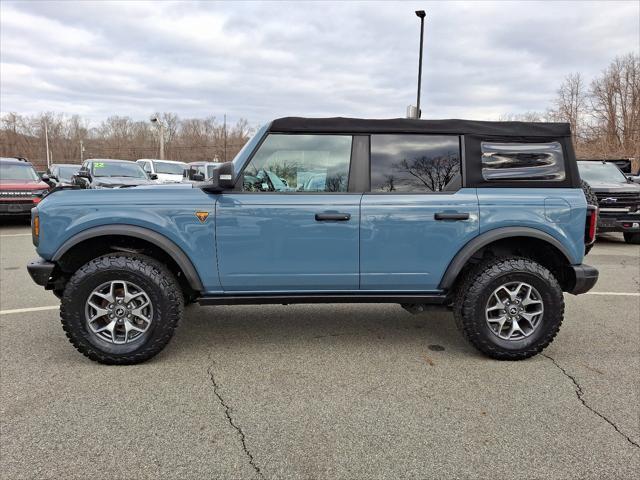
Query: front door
[(417, 215), (294, 227)]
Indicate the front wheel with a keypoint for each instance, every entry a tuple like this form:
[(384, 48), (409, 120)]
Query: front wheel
[(509, 309), (121, 308), (633, 238)]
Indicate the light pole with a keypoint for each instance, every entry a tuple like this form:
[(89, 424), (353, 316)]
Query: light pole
[(421, 14), (156, 120)]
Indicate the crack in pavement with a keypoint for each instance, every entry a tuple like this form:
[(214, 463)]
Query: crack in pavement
[(580, 394), (227, 412)]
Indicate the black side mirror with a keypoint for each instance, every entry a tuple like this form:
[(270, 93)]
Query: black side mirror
[(198, 177), (48, 180), (223, 179), (153, 176), (84, 174)]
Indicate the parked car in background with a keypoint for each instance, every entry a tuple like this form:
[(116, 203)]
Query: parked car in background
[(20, 187), (618, 198), (111, 173), (486, 218), (62, 173), (168, 171)]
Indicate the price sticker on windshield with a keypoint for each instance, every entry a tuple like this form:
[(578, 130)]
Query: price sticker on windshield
[(98, 165)]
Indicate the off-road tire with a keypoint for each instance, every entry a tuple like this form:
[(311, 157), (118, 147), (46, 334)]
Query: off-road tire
[(473, 294), (592, 199), (632, 237), (157, 281)]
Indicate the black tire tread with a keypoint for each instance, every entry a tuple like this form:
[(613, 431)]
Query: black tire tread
[(155, 272), (472, 286)]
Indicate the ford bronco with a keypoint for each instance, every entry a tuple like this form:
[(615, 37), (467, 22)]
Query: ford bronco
[(485, 218)]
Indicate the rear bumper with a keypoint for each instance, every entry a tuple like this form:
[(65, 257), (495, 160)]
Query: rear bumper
[(585, 277), (40, 271)]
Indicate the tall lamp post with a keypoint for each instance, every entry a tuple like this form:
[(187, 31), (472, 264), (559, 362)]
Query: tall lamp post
[(156, 120), (421, 14)]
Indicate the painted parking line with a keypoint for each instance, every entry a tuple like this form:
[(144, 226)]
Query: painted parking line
[(16, 235), (616, 294), (27, 310)]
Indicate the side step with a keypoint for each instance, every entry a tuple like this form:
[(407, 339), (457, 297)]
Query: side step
[(252, 299)]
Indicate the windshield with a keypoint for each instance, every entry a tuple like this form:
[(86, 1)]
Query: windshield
[(65, 173), (117, 169), (170, 168), (239, 159), (601, 172), (16, 171)]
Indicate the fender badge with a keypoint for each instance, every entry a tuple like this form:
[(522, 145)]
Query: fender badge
[(202, 216)]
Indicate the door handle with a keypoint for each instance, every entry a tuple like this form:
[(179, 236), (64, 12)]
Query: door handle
[(332, 217), (451, 216)]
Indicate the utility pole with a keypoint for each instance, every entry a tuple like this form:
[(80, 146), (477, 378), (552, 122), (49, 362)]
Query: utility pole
[(46, 142), (156, 120), (421, 14), (225, 137), (81, 152)]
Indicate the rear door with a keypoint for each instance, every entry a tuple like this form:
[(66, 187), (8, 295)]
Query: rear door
[(417, 215), (294, 225)]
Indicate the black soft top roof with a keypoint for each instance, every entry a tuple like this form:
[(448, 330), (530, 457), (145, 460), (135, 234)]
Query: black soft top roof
[(405, 125)]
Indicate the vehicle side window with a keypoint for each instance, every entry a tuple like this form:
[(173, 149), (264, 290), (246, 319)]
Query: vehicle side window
[(300, 163), (522, 161), (415, 163), (147, 167)]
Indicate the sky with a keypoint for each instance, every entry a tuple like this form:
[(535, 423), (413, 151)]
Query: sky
[(270, 59)]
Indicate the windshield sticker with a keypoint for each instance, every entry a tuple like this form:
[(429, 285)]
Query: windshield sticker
[(98, 165)]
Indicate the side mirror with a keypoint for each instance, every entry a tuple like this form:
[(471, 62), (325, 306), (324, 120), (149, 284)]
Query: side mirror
[(153, 176), (84, 174), (48, 180), (223, 179), (198, 177)]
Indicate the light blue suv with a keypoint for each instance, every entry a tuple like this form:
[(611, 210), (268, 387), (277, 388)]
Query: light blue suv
[(486, 218)]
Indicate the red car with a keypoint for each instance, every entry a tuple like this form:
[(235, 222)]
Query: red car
[(20, 187)]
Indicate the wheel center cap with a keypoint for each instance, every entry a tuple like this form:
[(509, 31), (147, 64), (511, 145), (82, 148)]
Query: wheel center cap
[(120, 312), (513, 310)]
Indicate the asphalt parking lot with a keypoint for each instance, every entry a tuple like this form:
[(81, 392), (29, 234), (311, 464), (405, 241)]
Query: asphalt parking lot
[(323, 391)]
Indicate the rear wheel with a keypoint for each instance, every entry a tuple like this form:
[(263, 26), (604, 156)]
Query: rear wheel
[(633, 238), (509, 309), (121, 309)]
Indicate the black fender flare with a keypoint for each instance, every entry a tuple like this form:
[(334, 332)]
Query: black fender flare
[(142, 233), (484, 239)]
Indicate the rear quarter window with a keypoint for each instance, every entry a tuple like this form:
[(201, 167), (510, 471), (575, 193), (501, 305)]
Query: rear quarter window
[(522, 161)]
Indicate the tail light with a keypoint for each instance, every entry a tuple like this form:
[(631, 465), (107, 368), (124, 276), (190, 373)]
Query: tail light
[(591, 224)]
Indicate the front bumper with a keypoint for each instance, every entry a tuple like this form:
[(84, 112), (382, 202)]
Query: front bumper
[(584, 278), (16, 208), (608, 222), (40, 270)]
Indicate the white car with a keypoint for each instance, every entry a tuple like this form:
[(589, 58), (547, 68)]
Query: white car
[(168, 171)]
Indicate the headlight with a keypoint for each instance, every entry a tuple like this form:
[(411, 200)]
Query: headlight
[(35, 226)]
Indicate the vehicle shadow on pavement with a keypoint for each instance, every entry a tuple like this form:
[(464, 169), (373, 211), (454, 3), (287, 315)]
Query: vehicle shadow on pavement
[(270, 326)]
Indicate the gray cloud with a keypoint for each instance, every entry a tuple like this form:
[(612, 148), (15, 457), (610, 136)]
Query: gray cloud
[(263, 60)]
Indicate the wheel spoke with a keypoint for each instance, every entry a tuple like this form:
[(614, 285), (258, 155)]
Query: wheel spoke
[(100, 312), (108, 327), (515, 328)]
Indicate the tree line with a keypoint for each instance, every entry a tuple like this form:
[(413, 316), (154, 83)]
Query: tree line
[(190, 139), (604, 114)]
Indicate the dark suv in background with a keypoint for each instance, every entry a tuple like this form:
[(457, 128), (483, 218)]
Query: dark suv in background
[(618, 198)]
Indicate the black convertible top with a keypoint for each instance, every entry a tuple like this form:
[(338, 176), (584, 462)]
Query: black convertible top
[(406, 125)]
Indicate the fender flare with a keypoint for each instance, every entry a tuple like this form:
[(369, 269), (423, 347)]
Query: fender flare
[(142, 233), (484, 239)]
